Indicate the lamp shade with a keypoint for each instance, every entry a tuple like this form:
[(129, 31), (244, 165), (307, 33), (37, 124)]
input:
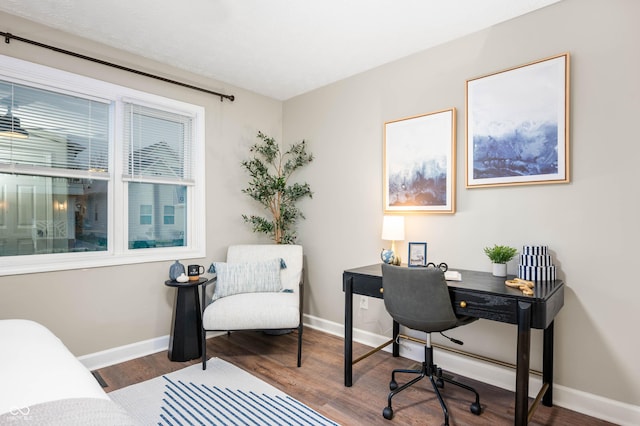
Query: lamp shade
[(393, 228)]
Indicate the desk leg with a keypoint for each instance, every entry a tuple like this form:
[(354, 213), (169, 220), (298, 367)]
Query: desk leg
[(522, 363), (547, 365), (348, 331)]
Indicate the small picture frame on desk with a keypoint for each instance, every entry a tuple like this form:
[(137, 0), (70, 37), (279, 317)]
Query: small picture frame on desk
[(417, 254)]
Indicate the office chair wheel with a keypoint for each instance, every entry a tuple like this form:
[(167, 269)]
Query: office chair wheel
[(393, 385), (440, 383), (475, 408), (387, 413)]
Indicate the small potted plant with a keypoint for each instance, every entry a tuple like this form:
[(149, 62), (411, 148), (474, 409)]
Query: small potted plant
[(500, 255)]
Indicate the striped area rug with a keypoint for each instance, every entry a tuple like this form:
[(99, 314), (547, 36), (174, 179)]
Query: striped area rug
[(223, 394)]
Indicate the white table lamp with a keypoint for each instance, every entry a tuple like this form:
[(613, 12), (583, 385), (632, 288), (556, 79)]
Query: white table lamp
[(392, 230)]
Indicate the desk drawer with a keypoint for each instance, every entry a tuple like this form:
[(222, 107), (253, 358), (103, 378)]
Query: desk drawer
[(368, 286), (487, 306)]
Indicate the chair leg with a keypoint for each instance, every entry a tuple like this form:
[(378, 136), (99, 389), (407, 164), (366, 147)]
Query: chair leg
[(300, 344), (445, 411), (204, 349), (387, 413), (393, 384), (475, 407), (436, 373)]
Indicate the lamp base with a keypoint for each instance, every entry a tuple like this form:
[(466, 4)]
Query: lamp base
[(390, 257)]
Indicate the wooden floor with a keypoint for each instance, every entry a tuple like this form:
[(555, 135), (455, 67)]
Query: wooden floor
[(319, 383)]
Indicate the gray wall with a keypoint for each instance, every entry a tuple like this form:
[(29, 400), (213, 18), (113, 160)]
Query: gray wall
[(590, 224)]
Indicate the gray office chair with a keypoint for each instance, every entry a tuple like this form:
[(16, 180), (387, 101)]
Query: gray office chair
[(418, 298)]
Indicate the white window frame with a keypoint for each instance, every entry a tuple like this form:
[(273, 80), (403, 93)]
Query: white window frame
[(117, 253)]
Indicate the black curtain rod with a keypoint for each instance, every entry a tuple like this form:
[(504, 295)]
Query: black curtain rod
[(9, 36)]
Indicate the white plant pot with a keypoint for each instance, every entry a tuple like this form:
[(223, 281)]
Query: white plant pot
[(499, 269)]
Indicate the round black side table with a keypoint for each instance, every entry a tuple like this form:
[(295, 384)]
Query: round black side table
[(185, 341)]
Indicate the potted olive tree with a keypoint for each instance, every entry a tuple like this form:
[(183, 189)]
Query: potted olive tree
[(270, 171), (499, 256)]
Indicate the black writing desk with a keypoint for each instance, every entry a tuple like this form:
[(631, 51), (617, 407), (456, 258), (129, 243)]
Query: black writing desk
[(479, 295)]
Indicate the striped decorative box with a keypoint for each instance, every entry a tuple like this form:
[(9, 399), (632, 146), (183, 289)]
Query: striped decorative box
[(537, 273), (536, 250), (536, 264), (536, 260)]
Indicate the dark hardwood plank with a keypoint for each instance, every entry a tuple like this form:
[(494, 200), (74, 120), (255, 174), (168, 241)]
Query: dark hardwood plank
[(319, 382)]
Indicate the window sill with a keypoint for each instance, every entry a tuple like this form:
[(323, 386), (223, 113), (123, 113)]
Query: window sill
[(19, 265)]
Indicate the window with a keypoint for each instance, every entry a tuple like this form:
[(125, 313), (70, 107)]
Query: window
[(57, 147), (146, 211), (169, 215), (95, 174), (157, 160)]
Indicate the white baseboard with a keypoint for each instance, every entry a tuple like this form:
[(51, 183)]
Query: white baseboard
[(503, 377), (592, 405), (124, 353)]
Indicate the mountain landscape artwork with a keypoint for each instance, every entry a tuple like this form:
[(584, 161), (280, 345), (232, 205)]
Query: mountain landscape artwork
[(419, 163), (516, 122), (422, 183), (526, 149)]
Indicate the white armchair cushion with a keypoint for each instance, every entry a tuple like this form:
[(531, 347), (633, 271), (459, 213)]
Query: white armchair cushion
[(247, 277), (291, 254), (253, 311)]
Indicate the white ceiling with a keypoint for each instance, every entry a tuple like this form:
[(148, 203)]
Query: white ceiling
[(278, 48)]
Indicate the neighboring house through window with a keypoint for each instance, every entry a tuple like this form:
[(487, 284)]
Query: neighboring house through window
[(95, 174), (146, 214), (169, 215)]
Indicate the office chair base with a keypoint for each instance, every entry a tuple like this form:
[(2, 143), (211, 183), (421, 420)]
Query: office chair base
[(437, 381)]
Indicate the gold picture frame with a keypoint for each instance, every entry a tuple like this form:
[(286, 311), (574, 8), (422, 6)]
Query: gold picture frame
[(420, 163), (517, 125)]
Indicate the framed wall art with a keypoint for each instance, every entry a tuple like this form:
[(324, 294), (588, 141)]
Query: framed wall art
[(417, 254), (419, 163), (517, 129)]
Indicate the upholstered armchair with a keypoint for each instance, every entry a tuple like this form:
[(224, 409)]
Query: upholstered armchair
[(259, 287)]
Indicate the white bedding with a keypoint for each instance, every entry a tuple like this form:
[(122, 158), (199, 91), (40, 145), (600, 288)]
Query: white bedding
[(36, 367)]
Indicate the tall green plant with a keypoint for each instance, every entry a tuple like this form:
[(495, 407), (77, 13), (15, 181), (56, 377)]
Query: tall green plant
[(270, 171)]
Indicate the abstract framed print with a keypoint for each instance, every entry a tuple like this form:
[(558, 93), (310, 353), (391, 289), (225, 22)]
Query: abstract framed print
[(419, 163), (517, 128)]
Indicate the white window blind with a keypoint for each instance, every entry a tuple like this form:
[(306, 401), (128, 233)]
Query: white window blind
[(42, 130), (158, 146)]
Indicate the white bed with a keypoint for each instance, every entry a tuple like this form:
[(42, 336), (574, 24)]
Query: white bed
[(36, 368)]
